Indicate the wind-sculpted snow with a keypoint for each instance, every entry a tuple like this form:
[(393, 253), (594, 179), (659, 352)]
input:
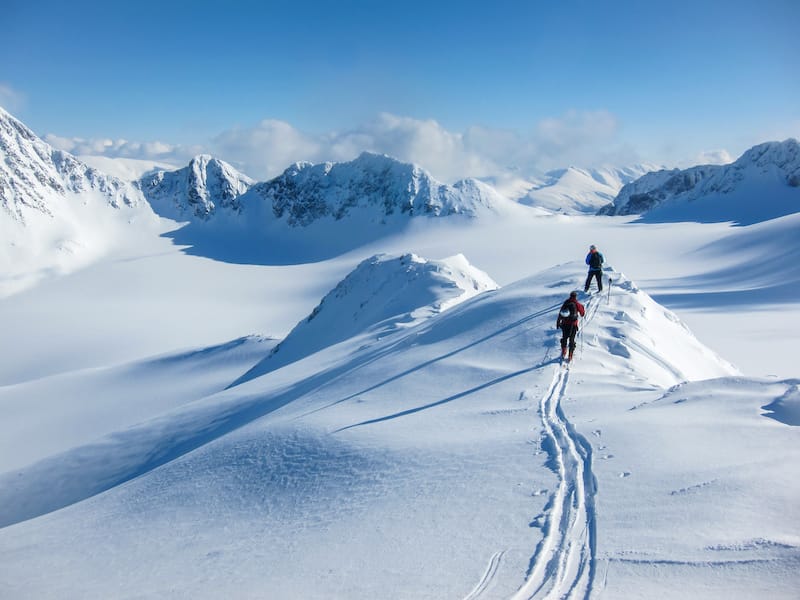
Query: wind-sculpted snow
[(205, 186), (382, 294), (762, 184)]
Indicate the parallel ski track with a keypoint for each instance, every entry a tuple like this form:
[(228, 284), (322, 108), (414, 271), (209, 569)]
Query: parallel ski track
[(488, 576), (564, 565)]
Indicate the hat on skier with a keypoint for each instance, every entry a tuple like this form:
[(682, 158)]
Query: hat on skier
[(573, 294), (592, 247)]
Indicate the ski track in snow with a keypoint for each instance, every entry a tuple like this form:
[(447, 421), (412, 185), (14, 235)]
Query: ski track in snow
[(564, 564), (488, 576)]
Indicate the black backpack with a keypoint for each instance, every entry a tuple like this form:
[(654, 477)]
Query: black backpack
[(596, 260), (572, 308)]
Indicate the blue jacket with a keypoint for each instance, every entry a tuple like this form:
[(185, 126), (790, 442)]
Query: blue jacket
[(589, 261)]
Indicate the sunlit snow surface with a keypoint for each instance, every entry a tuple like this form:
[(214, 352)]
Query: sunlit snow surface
[(453, 457), (374, 408)]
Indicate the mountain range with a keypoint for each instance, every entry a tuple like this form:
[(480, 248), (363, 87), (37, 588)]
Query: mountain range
[(57, 212), (767, 175)]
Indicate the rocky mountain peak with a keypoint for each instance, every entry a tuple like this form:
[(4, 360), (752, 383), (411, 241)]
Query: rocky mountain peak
[(34, 175), (198, 190), (374, 183)]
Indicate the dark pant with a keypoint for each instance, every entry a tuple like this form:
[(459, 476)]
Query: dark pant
[(568, 331), (599, 276)]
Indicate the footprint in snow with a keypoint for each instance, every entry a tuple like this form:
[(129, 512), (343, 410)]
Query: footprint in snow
[(625, 474)]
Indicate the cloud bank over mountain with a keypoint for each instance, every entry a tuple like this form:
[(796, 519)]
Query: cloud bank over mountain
[(263, 150)]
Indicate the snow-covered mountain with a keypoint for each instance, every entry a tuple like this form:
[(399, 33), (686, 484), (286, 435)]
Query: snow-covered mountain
[(34, 176), (56, 212), (371, 184), (764, 181), (380, 295), (576, 190), (207, 185)]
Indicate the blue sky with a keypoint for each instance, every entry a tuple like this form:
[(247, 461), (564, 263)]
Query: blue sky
[(475, 86)]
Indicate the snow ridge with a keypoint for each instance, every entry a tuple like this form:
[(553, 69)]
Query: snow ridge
[(382, 294), (775, 161), (198, 190)]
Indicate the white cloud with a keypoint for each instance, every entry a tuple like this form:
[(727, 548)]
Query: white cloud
[(267, 148), (576, 138), (713, 157), (11, 99), (121, 148)]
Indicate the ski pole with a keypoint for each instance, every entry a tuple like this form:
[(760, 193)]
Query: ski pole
[(610, 281)]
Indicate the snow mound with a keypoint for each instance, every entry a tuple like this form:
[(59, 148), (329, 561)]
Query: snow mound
[(307, 192), (382, 294), (200, 189), (764, 183)]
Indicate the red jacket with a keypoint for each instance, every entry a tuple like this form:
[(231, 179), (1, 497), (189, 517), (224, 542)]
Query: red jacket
[(566, 320)]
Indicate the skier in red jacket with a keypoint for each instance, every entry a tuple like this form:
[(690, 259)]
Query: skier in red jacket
[(568, 323)]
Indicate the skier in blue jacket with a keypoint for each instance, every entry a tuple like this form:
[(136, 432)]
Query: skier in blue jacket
[(595, 261)]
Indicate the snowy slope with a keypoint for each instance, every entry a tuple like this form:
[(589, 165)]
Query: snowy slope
[(197, 191), (382, 294), (56, 212), (449, 458), (763, 183), (581, 191)]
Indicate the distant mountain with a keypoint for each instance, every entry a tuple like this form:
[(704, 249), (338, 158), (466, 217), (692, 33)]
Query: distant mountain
[(198, 190), (372, 184), (763, 183), (382, 294), (575, 190), (34, 176)]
